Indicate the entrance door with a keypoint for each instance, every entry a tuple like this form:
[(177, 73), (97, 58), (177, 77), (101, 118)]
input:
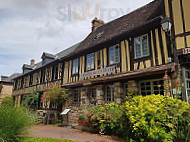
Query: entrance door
[(186, 78)]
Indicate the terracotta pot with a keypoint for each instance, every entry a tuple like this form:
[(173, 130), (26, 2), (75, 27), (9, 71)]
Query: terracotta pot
[(82, 123)]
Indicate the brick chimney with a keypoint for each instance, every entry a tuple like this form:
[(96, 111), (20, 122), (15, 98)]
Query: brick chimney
[(32, 63), (96, 23)]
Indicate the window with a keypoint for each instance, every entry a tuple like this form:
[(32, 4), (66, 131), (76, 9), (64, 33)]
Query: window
[(114, 54), (40, 103), (16, 83), (110, 93), (125, 89), (55, 72), (42, 76), (141, 46), (76, 96), (92, 95), (90, 61), (152, 87), (31, 80), (22, 83), (75, 66), (187, 84)]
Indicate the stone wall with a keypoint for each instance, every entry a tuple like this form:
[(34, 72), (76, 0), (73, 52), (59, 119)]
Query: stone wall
[(5, 91)]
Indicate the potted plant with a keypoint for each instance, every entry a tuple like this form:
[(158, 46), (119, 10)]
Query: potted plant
[(82, 121)]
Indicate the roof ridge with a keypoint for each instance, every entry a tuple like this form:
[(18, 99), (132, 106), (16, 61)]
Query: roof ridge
[(127, 14)]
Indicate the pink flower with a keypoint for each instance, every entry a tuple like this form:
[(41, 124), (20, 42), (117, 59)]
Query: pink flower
[(176, 85), (87, 113), (165, 76), (179, 70), (178, 80)]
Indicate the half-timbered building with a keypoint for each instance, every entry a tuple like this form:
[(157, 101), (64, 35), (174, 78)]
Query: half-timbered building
[(128, 55)]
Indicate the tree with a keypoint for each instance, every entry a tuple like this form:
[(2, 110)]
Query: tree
[(31, 101)]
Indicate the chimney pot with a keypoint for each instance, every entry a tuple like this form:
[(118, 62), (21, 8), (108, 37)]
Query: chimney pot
[(32, 62), (96, 23)]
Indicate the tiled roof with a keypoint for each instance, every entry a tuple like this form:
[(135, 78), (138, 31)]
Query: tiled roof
[(9, 79), (122, 25), (58, 56)]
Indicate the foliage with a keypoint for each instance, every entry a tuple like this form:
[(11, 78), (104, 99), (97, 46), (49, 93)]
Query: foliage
[(31, 101), (13, 123), (157, 118), (7, 101), (81, 117), (45, 140), (178, 84), (152, 118), (57, 95), (105, 118), (167, 86)]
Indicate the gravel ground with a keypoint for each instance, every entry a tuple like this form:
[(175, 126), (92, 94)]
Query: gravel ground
[(46, 131)]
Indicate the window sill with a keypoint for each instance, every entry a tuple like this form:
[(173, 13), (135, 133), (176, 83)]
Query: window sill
[(115, 64), (89, 70), (142, 58), (74, 75)]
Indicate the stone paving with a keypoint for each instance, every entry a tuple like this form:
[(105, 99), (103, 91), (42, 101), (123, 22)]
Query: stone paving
[(46, 131)]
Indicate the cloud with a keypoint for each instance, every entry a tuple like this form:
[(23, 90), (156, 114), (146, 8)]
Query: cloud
[(30, 27)]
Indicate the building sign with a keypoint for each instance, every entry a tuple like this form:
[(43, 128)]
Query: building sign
[(98, 72), (186, 50), (65, 111)]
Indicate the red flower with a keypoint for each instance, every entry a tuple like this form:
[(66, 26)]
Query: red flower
[(179, 70), (177, 80), (165, 76)]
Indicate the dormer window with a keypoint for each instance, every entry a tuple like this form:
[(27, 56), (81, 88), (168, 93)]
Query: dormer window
[(141, 46), (114, 54), (75, 66), (90, 61)]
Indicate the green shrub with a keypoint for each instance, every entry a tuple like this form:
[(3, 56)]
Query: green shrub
[(13, 123), (152, 118), (7, 101), (31, 101), (81, 117), (105, 119), (156, 118)]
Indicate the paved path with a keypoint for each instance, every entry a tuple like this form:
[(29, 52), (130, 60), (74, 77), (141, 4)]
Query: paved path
[(69, 133)]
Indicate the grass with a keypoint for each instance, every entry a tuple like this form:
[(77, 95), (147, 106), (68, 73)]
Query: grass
[(45, 140)]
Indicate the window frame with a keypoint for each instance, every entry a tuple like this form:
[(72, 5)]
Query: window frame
[(112, 93), (78, 96), (55, 73), (141, 48), (92, 95), (92, 64), (42, 78), (125, 87), (31, 80), (114, 46), (151, 85), (76, 71)]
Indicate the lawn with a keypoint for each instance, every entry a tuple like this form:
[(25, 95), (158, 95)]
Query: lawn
[(45, 140)]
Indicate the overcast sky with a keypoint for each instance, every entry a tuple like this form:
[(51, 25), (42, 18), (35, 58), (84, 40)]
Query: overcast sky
[(30, 27)]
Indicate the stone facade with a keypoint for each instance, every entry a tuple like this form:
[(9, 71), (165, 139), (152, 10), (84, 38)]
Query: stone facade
[(5, 90)]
